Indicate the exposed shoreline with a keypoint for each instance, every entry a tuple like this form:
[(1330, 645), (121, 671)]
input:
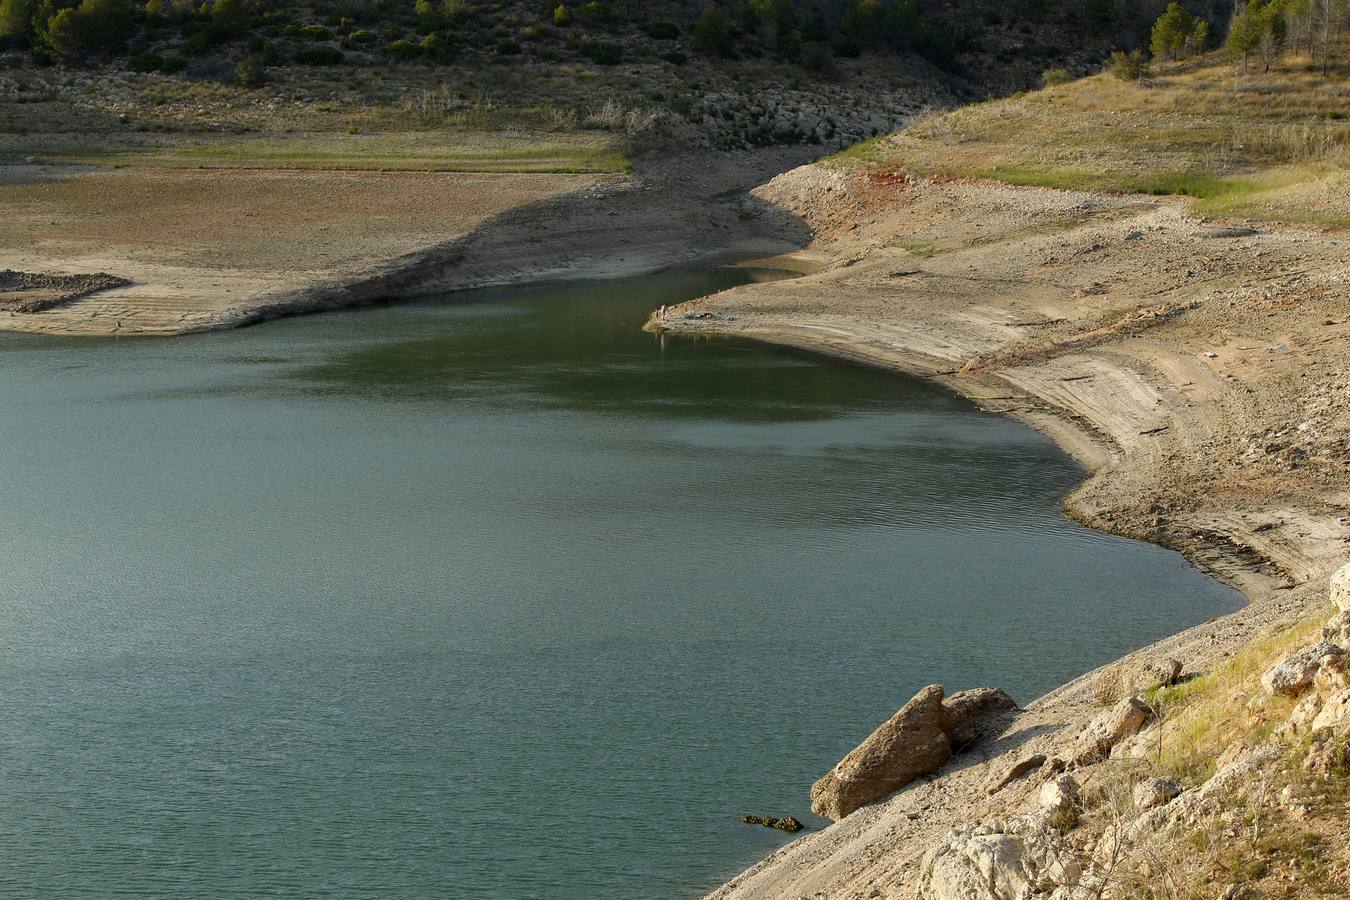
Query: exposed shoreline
[(960, 284)]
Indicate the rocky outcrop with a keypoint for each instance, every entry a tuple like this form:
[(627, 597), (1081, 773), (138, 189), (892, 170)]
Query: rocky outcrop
[(914, 742), (970, 711), (999, 860), (1340, 588), (1109, 728), (1295, 673), (1337, 631)]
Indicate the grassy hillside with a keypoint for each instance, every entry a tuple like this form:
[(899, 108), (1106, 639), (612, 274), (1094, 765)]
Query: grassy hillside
[(1263, 145)]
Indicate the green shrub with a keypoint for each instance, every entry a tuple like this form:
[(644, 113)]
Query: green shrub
[(319, 56), (1130, 66), (363, 36), (403, 50), (316, 33), (562, 16), (173, 64), (146, 62), (250, 73), (1052, 77), (663, 31), (507, 48), (604, 53), (676, 57)]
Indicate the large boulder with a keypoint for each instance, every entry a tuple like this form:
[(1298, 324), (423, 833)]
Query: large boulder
[(1335, 713), (998, 860), (916, 741), (971, 710), (1337, 630), (1294, 674), (1109, 728), (1340, 588)]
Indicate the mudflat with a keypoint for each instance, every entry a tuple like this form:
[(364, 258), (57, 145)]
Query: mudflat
[(209, 248)]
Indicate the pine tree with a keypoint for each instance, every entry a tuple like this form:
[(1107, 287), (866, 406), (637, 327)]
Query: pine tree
[(1171, 32)]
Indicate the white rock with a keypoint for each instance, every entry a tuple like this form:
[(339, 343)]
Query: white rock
[(1294, 674), (1060, 794), (1105, 731), (1027, 858), (1340, 588), (1156, 792), (1337, 630), (1335, 713)]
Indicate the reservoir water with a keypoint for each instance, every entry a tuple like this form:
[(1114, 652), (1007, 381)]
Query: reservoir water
[(497, 596)]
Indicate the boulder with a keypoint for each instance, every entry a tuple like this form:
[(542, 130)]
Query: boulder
[(1294, 674), (1001, 860), (1155, 792), (1059, 794), (1016, 771), (1337, 630), (1333, 675), (970, 709), (1335, 713), (1302, 715), (1110, 726), (1340, 588), (1134, 676), (916, 741)]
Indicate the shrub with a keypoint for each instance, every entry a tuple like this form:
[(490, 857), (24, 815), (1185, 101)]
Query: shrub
[(847, 48), (1052, 77), (362, 36), (604, 53), (173, 64), (676, 57), (663, 31), (403, 50), (92, 27), (319, 56), (507, 48), (711, 33), (250, 73), (146, 62), (562, 16), (316, 33), (1130, 66)]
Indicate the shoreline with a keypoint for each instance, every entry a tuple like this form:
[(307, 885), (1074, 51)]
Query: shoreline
[(1130, 391)]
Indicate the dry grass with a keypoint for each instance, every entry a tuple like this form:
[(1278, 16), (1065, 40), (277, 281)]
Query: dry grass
[(1254, 840), (1253, 146)]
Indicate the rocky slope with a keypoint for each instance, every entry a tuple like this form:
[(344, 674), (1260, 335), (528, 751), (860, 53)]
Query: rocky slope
[(1198, 370)]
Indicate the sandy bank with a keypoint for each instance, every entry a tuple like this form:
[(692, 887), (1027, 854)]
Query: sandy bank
[(1201, 371), (213, 249)]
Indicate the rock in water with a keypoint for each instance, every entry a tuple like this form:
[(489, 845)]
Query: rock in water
[(969, 709), (787, 823), (915, 741)]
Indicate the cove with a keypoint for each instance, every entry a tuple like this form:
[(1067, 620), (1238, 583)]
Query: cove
[(497, 596)]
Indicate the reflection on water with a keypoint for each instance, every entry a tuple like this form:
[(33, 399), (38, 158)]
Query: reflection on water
[(498, 596)]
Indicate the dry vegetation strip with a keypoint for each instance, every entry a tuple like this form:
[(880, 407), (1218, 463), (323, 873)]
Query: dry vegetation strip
[(1263, 146)]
